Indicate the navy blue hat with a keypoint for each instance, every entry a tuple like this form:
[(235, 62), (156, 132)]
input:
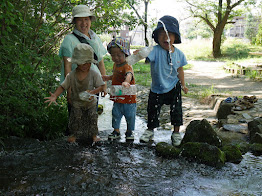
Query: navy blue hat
[(171, 25)]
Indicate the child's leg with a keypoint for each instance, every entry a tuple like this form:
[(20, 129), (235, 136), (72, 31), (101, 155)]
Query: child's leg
[(83, 123), (130, 115), (153, 110), (176, 108), (96, 138), (116, 116), (176, 129), (116, 120)]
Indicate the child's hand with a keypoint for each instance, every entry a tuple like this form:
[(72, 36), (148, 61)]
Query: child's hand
[(51, 99), (185, 89), (126, 84), (91, 93)]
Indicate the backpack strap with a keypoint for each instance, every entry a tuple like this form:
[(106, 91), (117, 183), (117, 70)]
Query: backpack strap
[(83, 40)]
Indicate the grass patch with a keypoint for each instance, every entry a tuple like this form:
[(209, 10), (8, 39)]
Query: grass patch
[(201, 93), (197, 50)]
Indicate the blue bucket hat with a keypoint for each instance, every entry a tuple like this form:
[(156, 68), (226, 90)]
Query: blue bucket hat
[(171, 25), (122, 43)]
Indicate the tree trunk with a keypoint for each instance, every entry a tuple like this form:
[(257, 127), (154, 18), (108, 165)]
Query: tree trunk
[(217, 43)]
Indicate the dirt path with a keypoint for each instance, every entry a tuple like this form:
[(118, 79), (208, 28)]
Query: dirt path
[(212, 73)]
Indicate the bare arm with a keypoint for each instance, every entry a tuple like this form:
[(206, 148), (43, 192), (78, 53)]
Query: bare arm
[(102, 69), (181, 77), (106, 78), (67, 65), (68, 69), (53, 96), (97, 90), (127, 81)]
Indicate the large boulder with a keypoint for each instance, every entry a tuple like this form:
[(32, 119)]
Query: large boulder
[(233, 153), (167, 150), (201, 131), (203, 153), (255, 130)]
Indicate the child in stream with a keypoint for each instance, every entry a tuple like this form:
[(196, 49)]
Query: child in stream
[(123, 74), (167, 75), (83, 116)]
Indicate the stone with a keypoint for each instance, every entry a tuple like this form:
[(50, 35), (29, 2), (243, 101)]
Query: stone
[(246, 116), (233, 153), (256, 149), (201, 131), (167, 150), (257, 138), (203, 153), (255, 129), (232, 121), (236, 128), (224, 110)]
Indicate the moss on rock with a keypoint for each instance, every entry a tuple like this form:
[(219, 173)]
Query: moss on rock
[(203, 153), (256, 149), (167, 150), (201, 131), (233, 153)]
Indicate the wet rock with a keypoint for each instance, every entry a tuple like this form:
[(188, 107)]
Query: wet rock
[(201, 131), (233, 153), (257, 138), (236, 128), (246, 116), (256, 149), (230, 137), (224, 110), (167, 150), (204, 153), (255, 130)]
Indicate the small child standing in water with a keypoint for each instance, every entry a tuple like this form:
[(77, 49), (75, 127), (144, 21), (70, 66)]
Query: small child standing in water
[(167, 78), (83, 116), (123, 74)]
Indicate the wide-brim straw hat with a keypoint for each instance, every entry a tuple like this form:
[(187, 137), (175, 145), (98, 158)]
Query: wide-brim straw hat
[(83, 53), (82, 11)]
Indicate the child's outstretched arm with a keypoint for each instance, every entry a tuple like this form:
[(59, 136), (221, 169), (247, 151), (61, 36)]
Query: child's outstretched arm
[(53, 96), (97, 90), (181, 77), (106, 77)]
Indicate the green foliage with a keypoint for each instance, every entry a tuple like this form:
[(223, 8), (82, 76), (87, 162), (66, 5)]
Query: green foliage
[(30, 35), (259, 35), (251, 28)]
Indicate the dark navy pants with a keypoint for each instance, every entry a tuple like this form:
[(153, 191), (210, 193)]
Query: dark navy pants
[(155, 102)]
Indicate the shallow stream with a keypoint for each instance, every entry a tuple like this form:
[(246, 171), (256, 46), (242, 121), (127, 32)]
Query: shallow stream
[(32, 167)]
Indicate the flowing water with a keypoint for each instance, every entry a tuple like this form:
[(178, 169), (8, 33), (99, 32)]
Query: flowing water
[(32, 167)]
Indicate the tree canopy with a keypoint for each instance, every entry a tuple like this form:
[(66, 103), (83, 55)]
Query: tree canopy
[(217, 14)]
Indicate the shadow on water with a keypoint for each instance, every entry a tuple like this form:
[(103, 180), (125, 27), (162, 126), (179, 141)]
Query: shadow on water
[(31, 167)]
